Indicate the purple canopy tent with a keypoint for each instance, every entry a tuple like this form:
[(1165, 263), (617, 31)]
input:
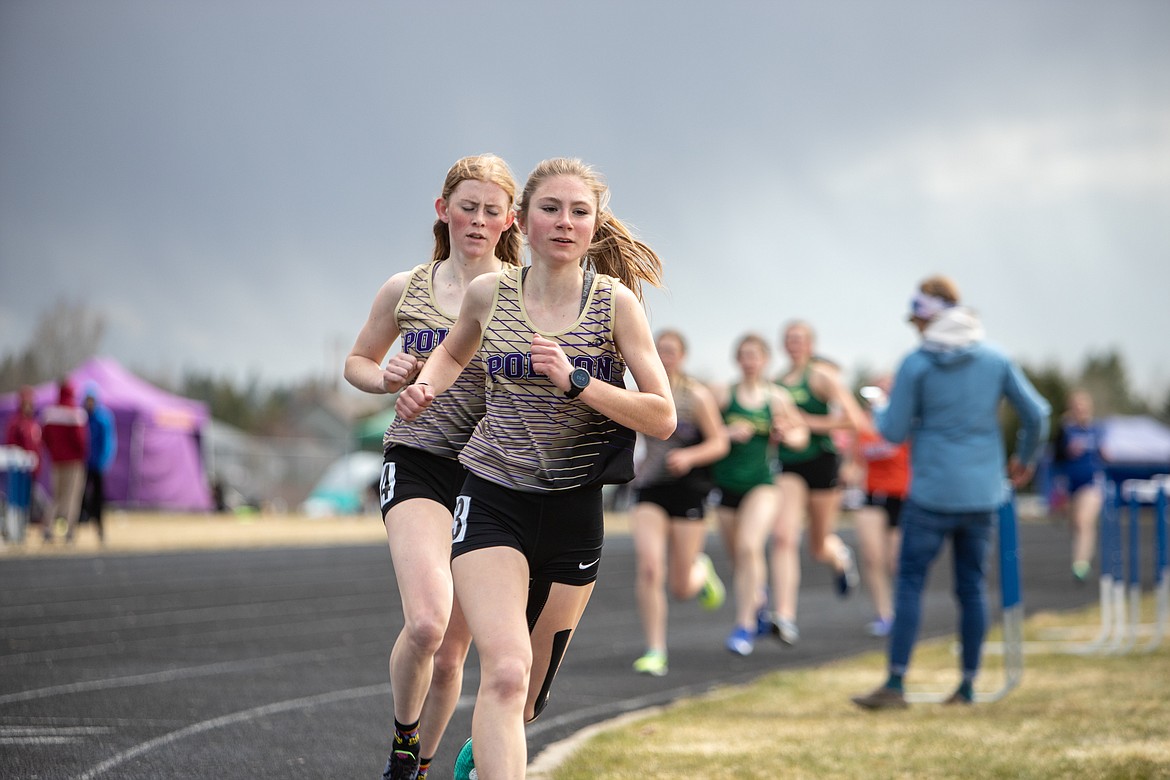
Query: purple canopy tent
[(159, 464)]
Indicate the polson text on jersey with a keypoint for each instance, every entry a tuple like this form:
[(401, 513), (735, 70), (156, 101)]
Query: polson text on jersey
[(518, 365), (424, 340)]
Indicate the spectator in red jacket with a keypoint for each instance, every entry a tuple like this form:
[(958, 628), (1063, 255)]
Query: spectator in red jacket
[(66, 437), (23, 429)]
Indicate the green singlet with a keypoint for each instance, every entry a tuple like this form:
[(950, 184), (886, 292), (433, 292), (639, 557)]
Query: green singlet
[(746, 464), (802, 396)]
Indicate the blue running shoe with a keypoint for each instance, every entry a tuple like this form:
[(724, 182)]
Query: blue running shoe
[(764, 622), (880, 627), (465, 764), (741, 641)]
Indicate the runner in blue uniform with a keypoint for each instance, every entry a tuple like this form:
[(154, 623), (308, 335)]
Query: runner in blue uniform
[(1081, 472)]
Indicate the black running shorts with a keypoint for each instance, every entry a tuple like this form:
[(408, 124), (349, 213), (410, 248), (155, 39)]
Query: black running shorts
[(559, 533), (892, 505), (409, 473), (680, 500), (820, 473)]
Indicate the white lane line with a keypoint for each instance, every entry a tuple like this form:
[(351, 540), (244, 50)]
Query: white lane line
[(6, 731), (162, 617), (233, 718), (170, 675), (287, 629), (48, 735)]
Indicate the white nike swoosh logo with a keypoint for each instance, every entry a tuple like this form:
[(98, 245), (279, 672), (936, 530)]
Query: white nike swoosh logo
[(584, 566)]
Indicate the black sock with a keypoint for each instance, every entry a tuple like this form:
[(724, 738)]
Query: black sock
[(424, 764), (406, 738)]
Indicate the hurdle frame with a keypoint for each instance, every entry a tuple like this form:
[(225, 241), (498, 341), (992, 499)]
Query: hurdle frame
[(1134, 494), (1120, 583), (1148, 492), (19, 465), (1161, 566), (1111, 596)]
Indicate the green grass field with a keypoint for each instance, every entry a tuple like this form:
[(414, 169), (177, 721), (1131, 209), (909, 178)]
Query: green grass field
[(1073, 716)]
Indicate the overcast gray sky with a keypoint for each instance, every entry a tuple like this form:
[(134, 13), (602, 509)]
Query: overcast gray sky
[(228, 183)]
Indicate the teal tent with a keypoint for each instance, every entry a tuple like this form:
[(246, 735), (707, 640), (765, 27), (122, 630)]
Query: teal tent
[(368, 431)]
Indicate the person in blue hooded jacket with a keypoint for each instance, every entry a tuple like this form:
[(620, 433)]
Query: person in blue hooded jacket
[(103, 445), (945, 401)]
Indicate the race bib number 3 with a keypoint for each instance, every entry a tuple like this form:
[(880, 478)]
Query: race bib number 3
[(459, 524)]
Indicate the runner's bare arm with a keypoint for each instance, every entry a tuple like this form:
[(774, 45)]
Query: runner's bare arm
[(363, 365)]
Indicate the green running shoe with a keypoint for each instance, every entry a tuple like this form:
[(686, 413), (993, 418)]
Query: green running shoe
[(465, 764), (712, 594), (652, 663)]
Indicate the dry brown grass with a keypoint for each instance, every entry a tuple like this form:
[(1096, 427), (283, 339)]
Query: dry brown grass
[(142, 532), (1073, 716)]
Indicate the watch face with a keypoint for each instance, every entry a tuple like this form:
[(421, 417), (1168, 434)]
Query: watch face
[(579, 377)]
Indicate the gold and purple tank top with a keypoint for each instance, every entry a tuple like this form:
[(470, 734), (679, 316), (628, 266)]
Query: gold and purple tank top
[(444, 428), (532, 438)]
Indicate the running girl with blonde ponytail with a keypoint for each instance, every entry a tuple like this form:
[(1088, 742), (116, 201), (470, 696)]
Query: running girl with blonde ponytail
[(555, 340)]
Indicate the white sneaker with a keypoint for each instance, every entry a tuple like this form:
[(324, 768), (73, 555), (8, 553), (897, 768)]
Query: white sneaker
[(848, 578), (785, 630)]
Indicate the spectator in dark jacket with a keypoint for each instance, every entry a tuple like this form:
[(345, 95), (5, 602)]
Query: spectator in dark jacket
[(66, 436)]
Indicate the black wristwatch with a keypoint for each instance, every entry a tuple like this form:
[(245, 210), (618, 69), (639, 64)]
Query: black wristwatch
[(577, 382)]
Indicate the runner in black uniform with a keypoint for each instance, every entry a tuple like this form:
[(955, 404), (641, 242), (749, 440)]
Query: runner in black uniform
[(668, 519)]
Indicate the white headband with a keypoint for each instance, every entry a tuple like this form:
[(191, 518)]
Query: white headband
[(927, 307)]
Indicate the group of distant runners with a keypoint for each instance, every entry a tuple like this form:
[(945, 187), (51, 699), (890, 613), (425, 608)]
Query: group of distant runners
[(768, 448)]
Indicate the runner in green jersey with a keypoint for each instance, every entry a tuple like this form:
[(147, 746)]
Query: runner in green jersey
[(757, 414), (808, 481)]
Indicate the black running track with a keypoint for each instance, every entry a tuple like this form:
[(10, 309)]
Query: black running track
[(272, 663)]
